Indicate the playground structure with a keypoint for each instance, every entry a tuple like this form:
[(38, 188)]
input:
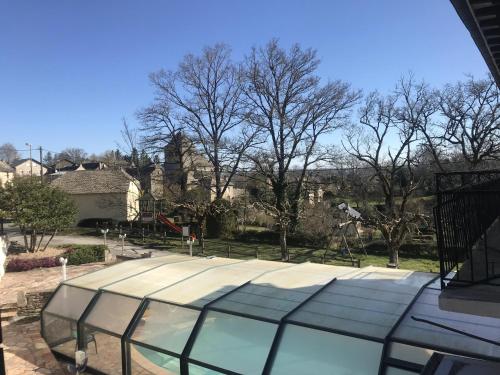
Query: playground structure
[(352, 219), (153, 211), (163, 219)]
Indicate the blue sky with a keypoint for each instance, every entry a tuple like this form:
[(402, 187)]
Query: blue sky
[(70, 70)]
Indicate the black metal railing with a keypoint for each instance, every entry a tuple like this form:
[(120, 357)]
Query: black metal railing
[(468, 207)]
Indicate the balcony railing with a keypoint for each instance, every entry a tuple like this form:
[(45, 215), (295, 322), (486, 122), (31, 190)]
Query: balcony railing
[(467, 216)]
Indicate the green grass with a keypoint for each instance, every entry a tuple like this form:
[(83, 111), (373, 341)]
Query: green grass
[(238, 250)]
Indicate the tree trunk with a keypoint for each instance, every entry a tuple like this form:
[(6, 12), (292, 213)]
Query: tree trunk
[(294, 217), (33, 241), (393, 256), (23, 231), (201, 238), (40, 242), (284, 250), (50, 239)]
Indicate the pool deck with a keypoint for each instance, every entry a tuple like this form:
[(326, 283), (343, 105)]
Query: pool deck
[(25, 351)]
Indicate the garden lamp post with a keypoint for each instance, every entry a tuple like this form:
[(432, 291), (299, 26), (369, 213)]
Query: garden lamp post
[(104, 232), (63, 262), (190, 243), (122, 237)]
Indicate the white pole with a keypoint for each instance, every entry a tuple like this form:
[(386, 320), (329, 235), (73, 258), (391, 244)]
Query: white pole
[(190, 241), (104, 231), (63, 262), (122, 236)]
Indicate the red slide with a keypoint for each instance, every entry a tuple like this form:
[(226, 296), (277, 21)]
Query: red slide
[(162, 218)]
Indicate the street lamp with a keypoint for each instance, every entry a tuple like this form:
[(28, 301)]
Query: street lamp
[(31, 160)]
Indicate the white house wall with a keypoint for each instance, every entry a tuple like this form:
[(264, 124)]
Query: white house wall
[(103, 206)]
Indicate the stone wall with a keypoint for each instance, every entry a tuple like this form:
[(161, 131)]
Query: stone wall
[(31, 303)]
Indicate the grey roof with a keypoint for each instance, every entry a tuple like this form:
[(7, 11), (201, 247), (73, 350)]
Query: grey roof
[(481, 19), (94, 182), (4, 167), (17, 162)]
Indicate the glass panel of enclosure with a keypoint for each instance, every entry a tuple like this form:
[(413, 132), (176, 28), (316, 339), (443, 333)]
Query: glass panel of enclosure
[(410, 353), (61, 315), (145, 361), (398, 371), (424, 334), (209, 285), (98, 279), (60, 334), (198, 370), (112, 312), (103, 351), (234, 343), (69, 302), (367, 303), (103, 328), (274, 294), (165, 326), (302, 349), (162, 277)]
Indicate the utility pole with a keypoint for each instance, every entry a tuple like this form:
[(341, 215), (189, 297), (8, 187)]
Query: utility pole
[(41, 166), (31, 160)]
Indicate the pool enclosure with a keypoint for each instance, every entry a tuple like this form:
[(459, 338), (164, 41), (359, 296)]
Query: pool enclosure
[(188, 315)]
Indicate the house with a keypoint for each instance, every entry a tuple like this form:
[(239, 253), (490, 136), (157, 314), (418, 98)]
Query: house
[(151, 178), (184, 163), (65, 165), (6, 173), (102, 193), (28, 167)]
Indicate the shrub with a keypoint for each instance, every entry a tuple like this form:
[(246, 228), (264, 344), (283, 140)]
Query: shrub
[(408, 249), (81, 254), (19, 264), (222, 225), (298, 238), (100, 222)]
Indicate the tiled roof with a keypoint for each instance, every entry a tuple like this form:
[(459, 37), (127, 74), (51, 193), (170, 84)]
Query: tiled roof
[(17, 162), (94, 182), (4, 167)]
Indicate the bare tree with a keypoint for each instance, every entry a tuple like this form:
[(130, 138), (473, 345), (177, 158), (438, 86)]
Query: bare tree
[(384, 141), (163, 133), (73, 154), (292, 110), (8, 153), (205, 94), (471, 110)]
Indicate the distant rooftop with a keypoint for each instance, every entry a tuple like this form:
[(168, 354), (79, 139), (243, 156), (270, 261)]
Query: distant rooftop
[(94, 181), (4, 167)]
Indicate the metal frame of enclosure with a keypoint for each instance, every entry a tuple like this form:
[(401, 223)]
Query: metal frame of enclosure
[(467, 206), (182, 315)]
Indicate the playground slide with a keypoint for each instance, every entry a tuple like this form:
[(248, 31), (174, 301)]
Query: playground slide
[(162, 218)]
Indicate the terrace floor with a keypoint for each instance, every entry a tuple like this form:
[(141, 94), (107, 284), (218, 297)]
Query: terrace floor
[(26, 352), (40, 279)]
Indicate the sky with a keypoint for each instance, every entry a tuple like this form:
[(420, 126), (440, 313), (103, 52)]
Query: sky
[(70, 71)]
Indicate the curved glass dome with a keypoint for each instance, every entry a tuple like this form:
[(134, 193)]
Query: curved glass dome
[(187, 315)]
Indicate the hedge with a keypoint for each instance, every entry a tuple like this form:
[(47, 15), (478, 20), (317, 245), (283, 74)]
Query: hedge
[(82, 254)]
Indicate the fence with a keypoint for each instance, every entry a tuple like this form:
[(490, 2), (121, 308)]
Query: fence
[(467, 207)]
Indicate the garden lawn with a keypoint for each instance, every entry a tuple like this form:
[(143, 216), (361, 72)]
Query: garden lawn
[(239, 250)]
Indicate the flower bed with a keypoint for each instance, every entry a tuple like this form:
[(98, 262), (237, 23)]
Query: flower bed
[(76, 255)]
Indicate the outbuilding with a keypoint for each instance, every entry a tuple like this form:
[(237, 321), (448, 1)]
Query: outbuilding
[(102, 194)]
